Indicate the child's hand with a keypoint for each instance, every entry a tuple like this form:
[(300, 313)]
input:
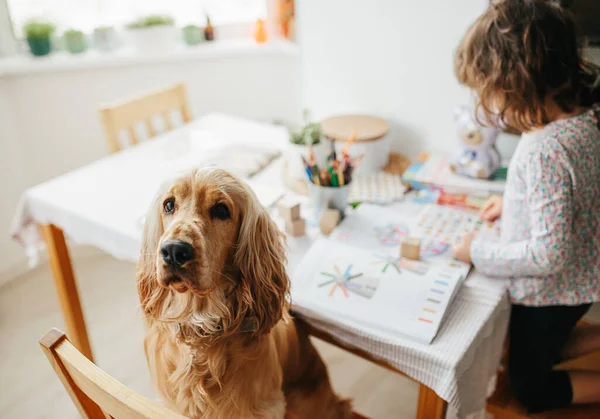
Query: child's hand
[(492, 208), (462, 250)]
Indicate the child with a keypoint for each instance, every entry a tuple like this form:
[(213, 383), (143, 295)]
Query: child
[(521, 59)]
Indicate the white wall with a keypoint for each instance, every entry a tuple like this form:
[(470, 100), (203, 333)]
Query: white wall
[(13, 180), (58, 113), (49, 122), (393, 58)]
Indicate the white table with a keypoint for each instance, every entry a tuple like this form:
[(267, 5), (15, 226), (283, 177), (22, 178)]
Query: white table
[(103, 204)]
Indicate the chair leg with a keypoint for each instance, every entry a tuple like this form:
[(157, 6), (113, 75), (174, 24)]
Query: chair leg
[(66, 287)]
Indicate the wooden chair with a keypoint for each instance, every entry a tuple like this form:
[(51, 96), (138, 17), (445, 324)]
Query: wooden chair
[(95, 393), (503, 405), (125, 115)]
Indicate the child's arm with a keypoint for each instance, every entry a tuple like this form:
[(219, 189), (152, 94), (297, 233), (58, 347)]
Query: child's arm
[(548, 187)]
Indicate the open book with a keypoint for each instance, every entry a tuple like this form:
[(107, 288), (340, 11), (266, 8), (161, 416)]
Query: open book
[(357, 273)]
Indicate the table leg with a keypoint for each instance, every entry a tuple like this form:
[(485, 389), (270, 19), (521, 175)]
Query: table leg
[(430, 406), (66, 287)]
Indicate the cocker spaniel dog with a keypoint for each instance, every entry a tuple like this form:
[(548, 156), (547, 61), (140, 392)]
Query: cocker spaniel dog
[(213, 287)]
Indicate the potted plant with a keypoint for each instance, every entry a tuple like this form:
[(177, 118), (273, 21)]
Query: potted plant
[(193, 35), (38, 35), (154, 32), (105, 38), (300, 138), (75, 41)]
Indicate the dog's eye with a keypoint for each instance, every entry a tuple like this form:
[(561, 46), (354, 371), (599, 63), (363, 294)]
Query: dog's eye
[(169, 206), (219, 211)]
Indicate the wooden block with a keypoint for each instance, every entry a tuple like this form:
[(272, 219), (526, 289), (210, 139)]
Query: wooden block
[(329, 220), (295, 228), (289, 209), (410, 248)]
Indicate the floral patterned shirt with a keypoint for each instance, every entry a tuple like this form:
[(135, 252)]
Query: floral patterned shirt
[(550, 241)]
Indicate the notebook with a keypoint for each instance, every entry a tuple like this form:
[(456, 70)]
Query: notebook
[(357, 273)]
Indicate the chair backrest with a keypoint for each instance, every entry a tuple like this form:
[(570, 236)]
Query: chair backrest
[(95, 393), (127, 114)]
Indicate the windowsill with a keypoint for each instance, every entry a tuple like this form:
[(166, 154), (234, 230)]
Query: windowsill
[(127, 56)]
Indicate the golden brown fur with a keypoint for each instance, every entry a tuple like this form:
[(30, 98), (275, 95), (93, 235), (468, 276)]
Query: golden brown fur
[(203, 365)]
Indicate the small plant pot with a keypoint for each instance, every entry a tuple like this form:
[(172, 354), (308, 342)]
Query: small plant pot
[(193, 35), (154, 38), (39, 47), (75, 44), (105, 39)]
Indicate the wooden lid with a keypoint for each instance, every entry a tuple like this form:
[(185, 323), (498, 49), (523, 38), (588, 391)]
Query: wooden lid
[(368, 128)]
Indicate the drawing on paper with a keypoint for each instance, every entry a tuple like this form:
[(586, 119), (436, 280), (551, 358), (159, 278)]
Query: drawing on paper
[(399, 263), (391, 234), (388, 261), (348, 282)]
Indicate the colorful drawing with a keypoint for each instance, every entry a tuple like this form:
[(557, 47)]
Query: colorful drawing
[(391, 234), (433, 248), (349, 282), (398, 263), (388, 261)]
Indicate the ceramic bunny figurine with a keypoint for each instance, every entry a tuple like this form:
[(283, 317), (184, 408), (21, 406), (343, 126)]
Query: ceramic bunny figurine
[(477, 156)]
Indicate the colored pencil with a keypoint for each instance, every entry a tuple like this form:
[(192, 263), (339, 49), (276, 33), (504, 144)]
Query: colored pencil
[(338, 169)]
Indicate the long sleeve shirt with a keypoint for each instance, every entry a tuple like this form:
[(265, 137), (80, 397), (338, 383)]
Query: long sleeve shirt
[(550, 244)]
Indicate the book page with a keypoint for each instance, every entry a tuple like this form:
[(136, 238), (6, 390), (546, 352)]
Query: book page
[(374, 288)]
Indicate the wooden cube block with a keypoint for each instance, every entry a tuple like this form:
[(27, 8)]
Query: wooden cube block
[(296, 228), (329, 220), (289, 209), (410, 248)]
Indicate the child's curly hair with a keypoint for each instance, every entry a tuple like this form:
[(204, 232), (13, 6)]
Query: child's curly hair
[(518, 55)]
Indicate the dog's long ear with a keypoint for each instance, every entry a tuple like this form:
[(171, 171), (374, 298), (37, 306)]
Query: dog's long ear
[(149, 291), (260, 256)]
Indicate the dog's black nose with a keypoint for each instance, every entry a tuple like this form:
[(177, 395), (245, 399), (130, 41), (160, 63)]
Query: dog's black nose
[(176, 252)]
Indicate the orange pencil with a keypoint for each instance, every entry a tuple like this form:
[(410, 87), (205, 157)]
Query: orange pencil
[(311, 154), (349, 142)]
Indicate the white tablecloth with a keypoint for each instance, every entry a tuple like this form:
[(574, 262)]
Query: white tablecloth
[(103, 205)]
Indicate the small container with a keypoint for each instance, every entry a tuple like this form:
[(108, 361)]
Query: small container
[(260, 34), (105, 38), (193, 35), (209, 31), (323, 197), (371, 139), (75, 41), (39, 46)]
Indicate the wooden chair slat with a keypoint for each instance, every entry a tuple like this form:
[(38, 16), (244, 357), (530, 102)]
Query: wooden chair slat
[(94, 392), (124, 115), (150, 128), (132, 134)]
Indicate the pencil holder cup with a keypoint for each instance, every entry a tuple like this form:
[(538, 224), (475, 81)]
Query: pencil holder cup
[(324, 197)]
